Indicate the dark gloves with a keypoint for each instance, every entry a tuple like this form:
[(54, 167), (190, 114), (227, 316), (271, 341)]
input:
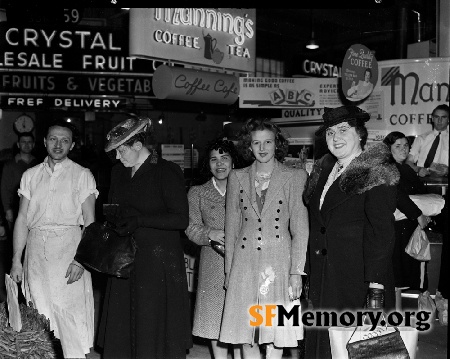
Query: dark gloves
[(375, 298), (127, 225)]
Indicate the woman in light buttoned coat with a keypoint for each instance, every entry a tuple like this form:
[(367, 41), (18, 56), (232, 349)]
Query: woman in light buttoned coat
[(266, 233)]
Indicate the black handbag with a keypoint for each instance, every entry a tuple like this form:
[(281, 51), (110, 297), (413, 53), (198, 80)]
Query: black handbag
[(387, 346), (103, 250)]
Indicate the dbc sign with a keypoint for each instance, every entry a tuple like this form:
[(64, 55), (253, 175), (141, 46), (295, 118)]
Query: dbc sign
[(176, 83)]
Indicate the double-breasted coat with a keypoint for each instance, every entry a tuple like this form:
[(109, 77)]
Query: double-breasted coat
[(207, 212), (262, 250), (351, 237)]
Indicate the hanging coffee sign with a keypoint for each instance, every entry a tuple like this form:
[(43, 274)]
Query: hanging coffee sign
[(177, 83), (223, 38), (359, 73)]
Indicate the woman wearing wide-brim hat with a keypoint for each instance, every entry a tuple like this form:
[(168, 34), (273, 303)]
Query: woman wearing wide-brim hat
[(147, 315), (351, 194)]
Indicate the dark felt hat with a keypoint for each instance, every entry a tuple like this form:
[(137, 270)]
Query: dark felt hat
[(125, 130), (333, 116)]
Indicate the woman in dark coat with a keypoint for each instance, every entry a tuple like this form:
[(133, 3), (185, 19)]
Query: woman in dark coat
[(147, 315), (408, 272), (351, 196)]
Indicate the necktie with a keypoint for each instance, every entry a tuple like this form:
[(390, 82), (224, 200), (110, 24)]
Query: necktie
[(432, 152)]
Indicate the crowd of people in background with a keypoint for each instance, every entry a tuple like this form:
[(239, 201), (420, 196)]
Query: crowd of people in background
[(265, 230)]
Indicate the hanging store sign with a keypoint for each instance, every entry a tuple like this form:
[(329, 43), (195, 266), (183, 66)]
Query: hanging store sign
[(313, 68), (176, 83), (76, 61), (271, 92), (223, 38), (360, 73)]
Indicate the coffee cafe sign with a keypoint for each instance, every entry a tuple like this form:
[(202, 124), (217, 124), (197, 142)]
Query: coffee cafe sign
[(222, 38), (182, 84)]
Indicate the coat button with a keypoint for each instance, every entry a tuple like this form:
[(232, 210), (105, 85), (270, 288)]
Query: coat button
[(244, 239), (242, 246), (276, 227), (242, 200), (317, 252), (324, 252), (278, 211), (322, 230), (259, 219), (280, 202), (278, 236), (259, 229), (277, 219), (246, 219), (245, 207), (259, 238), (242, 191), (259, 248)]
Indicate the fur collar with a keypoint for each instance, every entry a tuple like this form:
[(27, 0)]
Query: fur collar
[(373, 167)]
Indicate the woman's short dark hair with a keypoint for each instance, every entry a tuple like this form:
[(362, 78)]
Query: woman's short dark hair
[(392, 137), (69, 125), (369, 71), (261, 124), (223, 146)]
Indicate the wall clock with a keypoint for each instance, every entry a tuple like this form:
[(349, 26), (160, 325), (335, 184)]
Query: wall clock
[(23, 123)]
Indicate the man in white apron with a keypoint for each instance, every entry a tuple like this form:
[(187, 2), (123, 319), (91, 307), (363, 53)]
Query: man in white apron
[(57, 197)]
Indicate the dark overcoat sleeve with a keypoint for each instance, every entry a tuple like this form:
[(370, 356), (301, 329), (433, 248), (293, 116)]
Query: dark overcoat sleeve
[(379, 233)]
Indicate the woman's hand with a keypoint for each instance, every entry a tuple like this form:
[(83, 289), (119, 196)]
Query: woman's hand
[(217, 235), (74, 272), (423, 172), (16, 272), (423, 221), (295, 282)]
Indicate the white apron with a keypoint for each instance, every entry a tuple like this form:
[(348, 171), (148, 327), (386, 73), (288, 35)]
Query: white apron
[(48, 254)]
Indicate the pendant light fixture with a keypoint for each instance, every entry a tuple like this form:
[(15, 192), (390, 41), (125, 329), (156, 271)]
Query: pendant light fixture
[(312, 44)]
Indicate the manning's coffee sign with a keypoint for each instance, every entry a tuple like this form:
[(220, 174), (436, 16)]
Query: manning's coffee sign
[(221, 37)]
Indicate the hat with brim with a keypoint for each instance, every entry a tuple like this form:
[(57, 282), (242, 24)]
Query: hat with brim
[(125, 130), (333, 116)]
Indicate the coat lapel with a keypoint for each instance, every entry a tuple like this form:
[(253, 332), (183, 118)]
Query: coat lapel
[(246, 178), (277, 181), (211, 193), (315, 199)]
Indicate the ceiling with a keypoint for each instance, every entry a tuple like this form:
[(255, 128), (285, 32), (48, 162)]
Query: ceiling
[(382, 30)]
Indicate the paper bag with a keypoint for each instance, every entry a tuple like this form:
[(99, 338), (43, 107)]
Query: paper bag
[(426, 303), (68, 332), (442, 307), (418, 246), (339, 336), (430, 204), (12, 298)]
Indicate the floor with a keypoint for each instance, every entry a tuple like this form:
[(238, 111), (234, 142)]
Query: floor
[(431, 344)]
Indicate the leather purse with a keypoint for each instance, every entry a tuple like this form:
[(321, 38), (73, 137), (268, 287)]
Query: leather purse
[(387, 346), (103, 250)]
